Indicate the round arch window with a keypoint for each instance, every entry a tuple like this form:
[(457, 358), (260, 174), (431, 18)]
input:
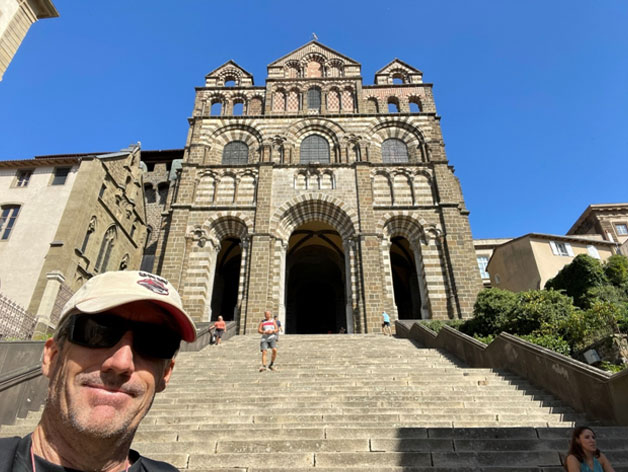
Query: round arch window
[(394, 151), (314, 148), (235, 153)]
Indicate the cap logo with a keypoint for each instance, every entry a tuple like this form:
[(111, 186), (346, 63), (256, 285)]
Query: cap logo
[(154, 285)]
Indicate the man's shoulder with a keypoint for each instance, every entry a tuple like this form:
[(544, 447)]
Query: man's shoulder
[(8, 450)]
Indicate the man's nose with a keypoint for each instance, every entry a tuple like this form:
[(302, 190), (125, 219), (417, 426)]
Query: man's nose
[(120, 357)]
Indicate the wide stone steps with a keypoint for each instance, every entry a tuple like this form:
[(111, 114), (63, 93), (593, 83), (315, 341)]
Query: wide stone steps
[(352, 403)]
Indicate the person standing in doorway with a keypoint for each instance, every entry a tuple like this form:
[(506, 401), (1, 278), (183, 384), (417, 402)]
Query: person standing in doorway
[(386, 324), (268, 329), (220, 327)]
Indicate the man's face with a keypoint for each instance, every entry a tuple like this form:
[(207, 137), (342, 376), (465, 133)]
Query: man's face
[(105, 392), (267, 315)]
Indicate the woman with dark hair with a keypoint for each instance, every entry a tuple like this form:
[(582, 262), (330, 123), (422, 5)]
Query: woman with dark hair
[(583, 455)]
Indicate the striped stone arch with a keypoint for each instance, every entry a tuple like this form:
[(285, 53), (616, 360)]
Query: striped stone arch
[(397, 129), (216, 98), (314, 207), (228, 224), (401, 223), (303, 128), (237, 132), (230, 72)]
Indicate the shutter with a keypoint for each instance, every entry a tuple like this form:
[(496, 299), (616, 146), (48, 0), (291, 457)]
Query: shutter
[(593, 252), (554, 248), (569, 250)]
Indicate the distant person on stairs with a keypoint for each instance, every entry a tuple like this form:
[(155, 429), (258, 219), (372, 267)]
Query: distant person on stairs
[(268, 329), (220, 327), (583, 455), (112, 351), (386, 324)]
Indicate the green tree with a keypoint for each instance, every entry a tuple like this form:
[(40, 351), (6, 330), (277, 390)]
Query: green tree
[(540, 312), (491, 307), (616, 270), (578, 277)]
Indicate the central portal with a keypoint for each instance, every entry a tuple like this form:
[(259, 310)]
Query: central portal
[(315, 294)]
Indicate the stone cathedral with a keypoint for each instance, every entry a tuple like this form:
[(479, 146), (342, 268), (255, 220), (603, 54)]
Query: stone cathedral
[(319, 198)]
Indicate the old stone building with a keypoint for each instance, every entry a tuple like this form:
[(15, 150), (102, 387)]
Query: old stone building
[(320, 198), (65, 218)]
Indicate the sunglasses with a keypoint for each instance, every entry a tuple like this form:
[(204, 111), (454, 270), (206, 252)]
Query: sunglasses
[(105, 331)]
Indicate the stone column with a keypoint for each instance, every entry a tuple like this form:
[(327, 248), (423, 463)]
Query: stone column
[(390, 304), (420, 275), (244, 264), (282, 281), (351, 290), (44, 324)]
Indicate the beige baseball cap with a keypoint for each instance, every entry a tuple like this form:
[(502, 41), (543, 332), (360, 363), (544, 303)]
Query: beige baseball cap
[(113, 289)]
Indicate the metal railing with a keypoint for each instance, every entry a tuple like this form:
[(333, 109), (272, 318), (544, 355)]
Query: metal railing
[(16, 323)]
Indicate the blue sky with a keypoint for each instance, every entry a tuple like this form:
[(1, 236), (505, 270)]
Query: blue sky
[(533, 94)]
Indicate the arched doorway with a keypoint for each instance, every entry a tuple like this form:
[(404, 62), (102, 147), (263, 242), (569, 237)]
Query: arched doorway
[(226, 279), (315, 292), (405, 281)]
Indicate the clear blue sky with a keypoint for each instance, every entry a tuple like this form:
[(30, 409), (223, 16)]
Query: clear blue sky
[(533, 94)]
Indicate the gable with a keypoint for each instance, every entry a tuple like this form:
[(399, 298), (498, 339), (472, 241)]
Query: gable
[(398, 69), (230, 70), (301, 60)]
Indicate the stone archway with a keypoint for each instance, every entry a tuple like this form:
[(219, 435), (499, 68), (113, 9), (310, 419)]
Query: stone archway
[(315, 280), (226, 279)]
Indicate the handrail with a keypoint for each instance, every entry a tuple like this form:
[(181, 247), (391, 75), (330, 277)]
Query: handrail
[(603, 396)]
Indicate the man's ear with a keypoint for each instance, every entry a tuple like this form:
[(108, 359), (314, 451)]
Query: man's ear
[(163, 381), (51, 351)]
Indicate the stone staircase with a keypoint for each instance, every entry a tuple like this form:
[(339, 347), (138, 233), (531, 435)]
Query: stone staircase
[(353, 403)]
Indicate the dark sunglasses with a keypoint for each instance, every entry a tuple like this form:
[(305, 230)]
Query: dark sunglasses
[(106, 330)]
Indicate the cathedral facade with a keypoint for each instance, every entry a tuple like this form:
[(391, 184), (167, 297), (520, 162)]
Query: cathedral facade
[(319, 198)]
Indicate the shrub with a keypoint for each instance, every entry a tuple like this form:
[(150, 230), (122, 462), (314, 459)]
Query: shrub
[(549, 341), (538, 312), (584, 327), (437, 325), (605, 293), (578, 277), (614, 368), (491, 307), (616, 270)]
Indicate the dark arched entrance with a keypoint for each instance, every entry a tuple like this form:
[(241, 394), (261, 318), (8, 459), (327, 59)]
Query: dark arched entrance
[(226, 279), (315, 298), (405, 281)]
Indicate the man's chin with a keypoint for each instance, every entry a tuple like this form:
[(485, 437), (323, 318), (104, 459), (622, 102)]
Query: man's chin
[(103, 422)]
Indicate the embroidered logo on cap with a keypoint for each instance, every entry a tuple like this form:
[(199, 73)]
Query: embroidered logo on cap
[(154, 285)]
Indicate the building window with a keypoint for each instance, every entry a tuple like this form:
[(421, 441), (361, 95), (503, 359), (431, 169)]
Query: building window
[(235, 153), (593, 252), (561, 249), (149, 191), (622, 229), (314, 148), (314, 99), (394, 151), (103, 187), (393, 105), (216, 109), (7, 220), (482, 263), (61, 175), (105, 250), (162, 190), (23, 177), (238, 108)]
